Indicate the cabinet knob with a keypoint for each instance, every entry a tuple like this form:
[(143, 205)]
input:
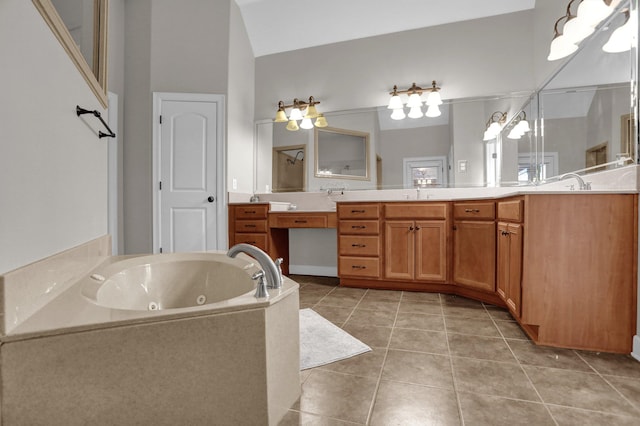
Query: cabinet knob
[(411, 228)]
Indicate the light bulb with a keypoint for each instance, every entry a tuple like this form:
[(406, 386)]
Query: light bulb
[(296, 114), (433, 111), (292, 125), (395, 102), (434, 98), (321, 121), (622, 39), (515, 133), (281, 116), (415, 112), (560, 48), (398, 114), (312, 112), (414, 100), (593, 11), (575, 30), (306, 124)]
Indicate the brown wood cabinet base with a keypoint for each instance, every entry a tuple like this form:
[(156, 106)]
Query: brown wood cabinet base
[(481, 296)]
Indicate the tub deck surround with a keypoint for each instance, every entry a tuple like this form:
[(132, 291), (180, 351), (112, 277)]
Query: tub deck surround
[(28, 289), (77, 309), (232, 361)]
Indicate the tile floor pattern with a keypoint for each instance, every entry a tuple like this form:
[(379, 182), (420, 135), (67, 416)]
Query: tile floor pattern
[(447, 360)]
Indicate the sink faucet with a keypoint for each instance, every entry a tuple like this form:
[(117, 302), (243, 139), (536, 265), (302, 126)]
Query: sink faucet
[(581, 183), (271, 271)]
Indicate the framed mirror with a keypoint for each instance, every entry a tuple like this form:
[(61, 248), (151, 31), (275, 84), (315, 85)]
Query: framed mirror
[(81, 27), (341, 153)]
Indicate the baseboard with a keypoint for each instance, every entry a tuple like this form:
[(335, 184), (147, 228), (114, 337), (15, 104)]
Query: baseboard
[(636, 347), (319, 271)]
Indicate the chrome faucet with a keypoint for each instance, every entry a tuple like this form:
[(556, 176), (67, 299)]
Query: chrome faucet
[(271, 271), (581, 183)]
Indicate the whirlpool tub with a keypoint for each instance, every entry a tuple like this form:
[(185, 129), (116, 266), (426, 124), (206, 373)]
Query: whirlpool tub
[(161, 339)]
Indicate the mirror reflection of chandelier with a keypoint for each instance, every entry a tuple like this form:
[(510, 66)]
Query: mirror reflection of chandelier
[(301, 111)]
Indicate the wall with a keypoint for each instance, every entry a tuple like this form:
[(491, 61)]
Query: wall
[(463, 57), (53, 167), (181, 47)]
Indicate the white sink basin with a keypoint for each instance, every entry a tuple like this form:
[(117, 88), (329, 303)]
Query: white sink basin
[(278, 206)]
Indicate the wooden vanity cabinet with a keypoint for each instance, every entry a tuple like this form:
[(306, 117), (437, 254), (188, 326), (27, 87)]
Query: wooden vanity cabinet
[(474, 245), (359, 242), (248, 224), (509, 265), (415, 236)]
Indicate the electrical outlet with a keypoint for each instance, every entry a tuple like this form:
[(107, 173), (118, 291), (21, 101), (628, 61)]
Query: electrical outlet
[(462, 166), (234, 183)]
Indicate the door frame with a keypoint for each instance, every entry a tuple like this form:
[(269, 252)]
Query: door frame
[(221, 184)]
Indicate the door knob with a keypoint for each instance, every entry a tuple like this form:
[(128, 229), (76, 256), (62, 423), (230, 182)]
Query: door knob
[(211, 199)]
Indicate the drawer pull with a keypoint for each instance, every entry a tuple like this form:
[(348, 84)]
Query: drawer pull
[(358, 267), (471, 211), (251, 242), (357, 211), (249, 226), (250, 211), (299, 221), (358, 226), (358, 245)]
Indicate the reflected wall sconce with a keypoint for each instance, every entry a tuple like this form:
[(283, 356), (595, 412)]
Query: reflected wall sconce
[(520, 127), (415, 102), (577, 27), (296, 114), (494, 125)]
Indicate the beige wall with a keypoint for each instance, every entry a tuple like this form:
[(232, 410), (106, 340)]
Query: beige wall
[(472, 58), (181, 47), (53, 167)]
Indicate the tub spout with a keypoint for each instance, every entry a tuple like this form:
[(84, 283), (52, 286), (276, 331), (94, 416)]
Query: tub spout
[(270, 269)]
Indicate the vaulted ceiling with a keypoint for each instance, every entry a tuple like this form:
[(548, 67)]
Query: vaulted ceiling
[(276, 26)]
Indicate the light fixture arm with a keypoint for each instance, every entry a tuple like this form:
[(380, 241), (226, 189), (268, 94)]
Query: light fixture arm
[(414, 89)]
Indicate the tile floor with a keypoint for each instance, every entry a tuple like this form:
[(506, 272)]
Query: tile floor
[(447, 360)]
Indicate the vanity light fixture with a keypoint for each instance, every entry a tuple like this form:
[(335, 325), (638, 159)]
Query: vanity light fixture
[(415, 102), (302, 111), (577, 27), (520, 127), (494, 125)]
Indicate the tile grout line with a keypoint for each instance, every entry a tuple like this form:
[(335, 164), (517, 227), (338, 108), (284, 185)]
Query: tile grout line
[(453, 374), (384, 361), (608, 382), (521, 367)]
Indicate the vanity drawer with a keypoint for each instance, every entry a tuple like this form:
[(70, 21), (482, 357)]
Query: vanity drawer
[(512, 210), (415, 210), (475, 210), (359, 266), (359, 246), (358, 211), (258, 211), (359, 227), (291, 220), (251, 226), (258, 240)]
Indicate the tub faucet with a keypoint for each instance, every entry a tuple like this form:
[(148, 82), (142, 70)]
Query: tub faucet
[(268, 266), (581, 183)]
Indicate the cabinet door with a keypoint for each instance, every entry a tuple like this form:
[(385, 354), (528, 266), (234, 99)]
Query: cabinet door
[(503, 260), (430, 250), (399, 249), (474, 253), (514, 289)]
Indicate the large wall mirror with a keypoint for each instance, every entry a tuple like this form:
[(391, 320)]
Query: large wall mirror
[(584, 116), (81, 28), (587, 108), (341, 154)]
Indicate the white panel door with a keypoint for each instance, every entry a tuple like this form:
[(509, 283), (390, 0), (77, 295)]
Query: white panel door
[(187, 190)]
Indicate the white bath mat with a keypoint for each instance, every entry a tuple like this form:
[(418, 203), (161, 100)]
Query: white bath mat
[(322, 343)]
